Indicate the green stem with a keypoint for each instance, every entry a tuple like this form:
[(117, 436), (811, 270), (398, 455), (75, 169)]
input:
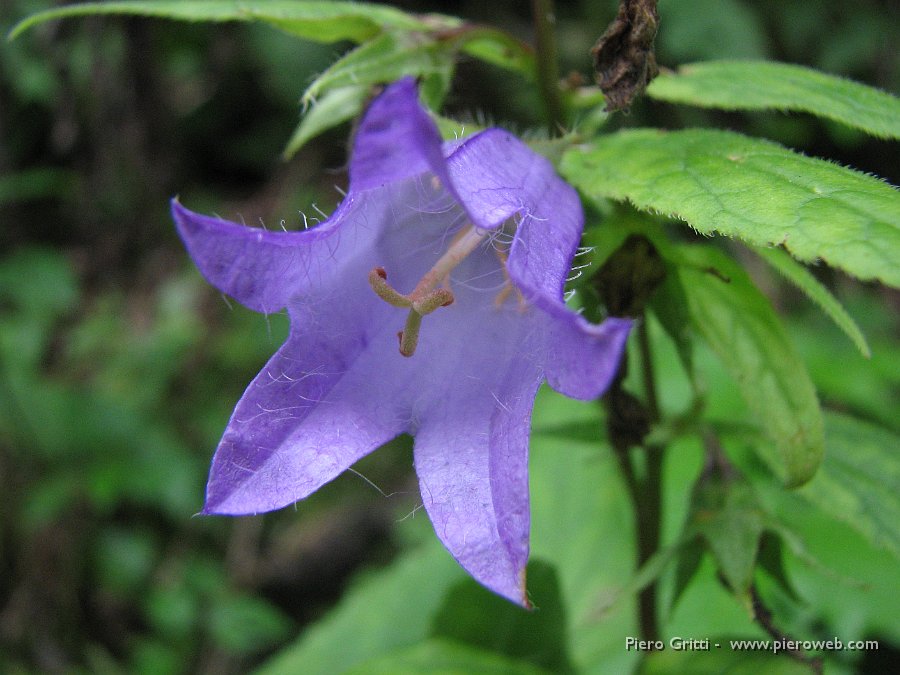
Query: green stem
[(764, 618), (649, 501), (627, 425), (647, 365), (547, 66)]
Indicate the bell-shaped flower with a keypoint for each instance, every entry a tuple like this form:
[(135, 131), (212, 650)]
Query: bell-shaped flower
[(429, 303)]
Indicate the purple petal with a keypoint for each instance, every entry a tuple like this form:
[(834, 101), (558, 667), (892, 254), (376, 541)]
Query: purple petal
[(497, 176), (471, 446), (260, 269), (584, 357), (471, 461), (307, 417), (396, 139)]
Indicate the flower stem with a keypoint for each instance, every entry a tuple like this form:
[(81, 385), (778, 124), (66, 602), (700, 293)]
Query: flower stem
[(763, 617), (648, 503), (544, 17)]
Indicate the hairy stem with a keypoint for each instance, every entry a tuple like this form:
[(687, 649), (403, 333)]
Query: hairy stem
[(544, 17)]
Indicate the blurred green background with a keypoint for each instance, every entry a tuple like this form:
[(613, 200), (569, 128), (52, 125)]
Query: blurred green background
[(119, 366)]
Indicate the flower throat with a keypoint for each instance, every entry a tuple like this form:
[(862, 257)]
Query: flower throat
[(426, 297)]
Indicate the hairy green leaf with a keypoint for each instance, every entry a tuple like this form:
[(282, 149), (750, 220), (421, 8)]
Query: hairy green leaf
[(759, 191), (335, 107), (758, 85), (743, 330), (387, 58), (803, 279), (860, 479), (318, 21)]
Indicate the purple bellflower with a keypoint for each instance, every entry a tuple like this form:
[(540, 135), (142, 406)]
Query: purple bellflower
[(462, 247)]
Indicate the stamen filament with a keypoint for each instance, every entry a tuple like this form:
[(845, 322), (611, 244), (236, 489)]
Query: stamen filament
[(426, 297), (453, 256)]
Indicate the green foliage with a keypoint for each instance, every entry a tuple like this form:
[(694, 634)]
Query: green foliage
[(726, 513), (334, 107), (387, 58), (687, 27), (859, 482), (386, 611), (803, 279), (722, 660), (444, 658), (763, 85), (718, 181), (740, 325), (34, 184), (245, 624), (475, 617), (319, 21), (392, 44)]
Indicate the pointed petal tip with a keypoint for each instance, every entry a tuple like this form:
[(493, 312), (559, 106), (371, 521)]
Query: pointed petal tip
[(524, 600), (512, 588), (396, 139), (221, 508), (586, 356)]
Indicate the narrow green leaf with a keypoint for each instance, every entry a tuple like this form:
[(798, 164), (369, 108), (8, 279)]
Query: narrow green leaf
[(336, 106), (743, 330), (444, 657), (765, 194), (860, 479), (803, 279), (384, 59), (318, 21), (335, 21), (649, 572), (759, 85)]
